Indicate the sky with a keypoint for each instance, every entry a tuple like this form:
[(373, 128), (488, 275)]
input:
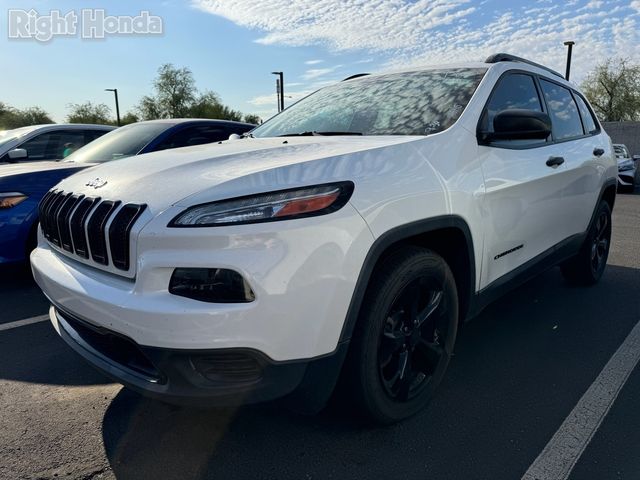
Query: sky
[(232, 46)]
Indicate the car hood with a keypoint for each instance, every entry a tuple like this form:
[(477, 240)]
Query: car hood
[(11, 169), (162, 179)]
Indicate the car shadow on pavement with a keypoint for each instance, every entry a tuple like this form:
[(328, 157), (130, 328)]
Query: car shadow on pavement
[(35, 353), (20, 297), (519, 369)]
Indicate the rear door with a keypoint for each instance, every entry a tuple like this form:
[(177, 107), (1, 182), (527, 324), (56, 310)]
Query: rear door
[(523, 195), (583, 155)]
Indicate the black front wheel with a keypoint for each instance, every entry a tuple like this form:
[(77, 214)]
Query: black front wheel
[(405, 335)]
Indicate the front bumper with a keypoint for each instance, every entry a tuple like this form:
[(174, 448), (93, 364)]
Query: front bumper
[(303, 273), (626, 178), (198, 377)]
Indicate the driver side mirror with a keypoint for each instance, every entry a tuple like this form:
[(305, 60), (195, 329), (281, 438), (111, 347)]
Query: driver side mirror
[(17, 154), (519, 124)]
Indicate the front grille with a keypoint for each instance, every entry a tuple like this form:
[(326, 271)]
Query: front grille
[(78, 225)]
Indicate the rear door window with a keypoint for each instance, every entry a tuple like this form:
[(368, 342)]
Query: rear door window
[(563, 111), (588, 119)]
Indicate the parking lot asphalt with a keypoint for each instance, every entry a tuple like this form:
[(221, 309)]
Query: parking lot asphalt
[(519, 370)]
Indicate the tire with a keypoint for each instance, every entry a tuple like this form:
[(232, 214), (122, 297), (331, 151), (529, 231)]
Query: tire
[(588, 265), (404, 337)]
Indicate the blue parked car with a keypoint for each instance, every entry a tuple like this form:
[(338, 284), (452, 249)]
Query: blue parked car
[(23, 185)]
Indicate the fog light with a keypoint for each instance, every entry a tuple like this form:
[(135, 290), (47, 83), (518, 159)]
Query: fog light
[(214, 285)]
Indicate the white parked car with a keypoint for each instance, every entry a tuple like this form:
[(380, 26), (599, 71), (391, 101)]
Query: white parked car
[(349, 235)]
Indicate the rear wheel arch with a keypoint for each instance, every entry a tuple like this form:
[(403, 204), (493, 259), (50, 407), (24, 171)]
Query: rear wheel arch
[(449, 236)]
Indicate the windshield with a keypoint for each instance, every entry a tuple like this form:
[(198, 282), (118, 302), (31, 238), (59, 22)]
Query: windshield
[(123, 142), (409, 103), (7, 136)]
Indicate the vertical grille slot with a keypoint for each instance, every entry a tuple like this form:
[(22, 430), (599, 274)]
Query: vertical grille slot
[(42, 208), (119, 233), (77, 222), (96, 231), (63, 221), (52, 215)]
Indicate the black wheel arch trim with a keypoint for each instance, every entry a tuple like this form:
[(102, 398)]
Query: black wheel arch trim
[(393, 236)]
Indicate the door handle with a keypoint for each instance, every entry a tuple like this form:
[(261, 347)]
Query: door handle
[(598, 152), (555, 161)]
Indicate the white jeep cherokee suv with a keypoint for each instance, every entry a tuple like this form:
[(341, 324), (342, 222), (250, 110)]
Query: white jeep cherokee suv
[(346, 238)]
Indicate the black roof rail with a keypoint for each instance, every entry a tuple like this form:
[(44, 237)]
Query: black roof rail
[(506, 57), (357, 75)]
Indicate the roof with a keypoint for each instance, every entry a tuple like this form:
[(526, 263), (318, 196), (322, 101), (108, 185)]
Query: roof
[(176, 121), (493, 61)]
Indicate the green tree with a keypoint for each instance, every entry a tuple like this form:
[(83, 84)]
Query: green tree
[(208, 105), (174, 94), (128, 118), (11, 117), (613, 88), (88, 112), (148, 109), (255, 119)]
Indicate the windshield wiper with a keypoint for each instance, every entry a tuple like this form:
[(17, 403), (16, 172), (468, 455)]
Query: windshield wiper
[(247, 134), (315, 133)]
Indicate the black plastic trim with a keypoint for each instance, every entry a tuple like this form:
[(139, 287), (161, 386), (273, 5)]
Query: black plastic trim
[(77, 226), (396, 235), (121, 259), (528, 270), (507, 57), (180, 382), (96, 231)]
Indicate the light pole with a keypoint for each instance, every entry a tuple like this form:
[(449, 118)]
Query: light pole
[(569, 45), (115, 91), (280, 90)]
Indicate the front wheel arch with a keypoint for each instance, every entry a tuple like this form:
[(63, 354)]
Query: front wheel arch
[(449, 236)]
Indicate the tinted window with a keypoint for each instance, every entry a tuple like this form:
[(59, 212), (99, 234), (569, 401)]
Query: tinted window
[(195, 135), (120, 143), (563, 111), (411, 103), (91, 135), (516, 90), (589, 121), (54, 145)]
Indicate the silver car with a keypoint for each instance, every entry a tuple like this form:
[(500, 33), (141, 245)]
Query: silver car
[(626, 168)]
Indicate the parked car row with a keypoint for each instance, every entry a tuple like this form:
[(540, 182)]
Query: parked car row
[(39, 157)]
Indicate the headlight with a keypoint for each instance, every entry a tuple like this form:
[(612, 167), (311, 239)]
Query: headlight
[(626, 165), (268, 207), (11, 199)]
